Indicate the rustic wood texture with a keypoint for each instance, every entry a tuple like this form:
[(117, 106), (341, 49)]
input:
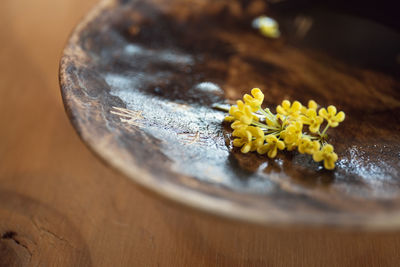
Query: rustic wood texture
[(60, 206), (139, 79)]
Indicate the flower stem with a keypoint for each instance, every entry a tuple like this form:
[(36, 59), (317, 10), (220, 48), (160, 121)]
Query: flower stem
[(267, 113), (311, 136), (262, 125), (221, 107), (324, 131)]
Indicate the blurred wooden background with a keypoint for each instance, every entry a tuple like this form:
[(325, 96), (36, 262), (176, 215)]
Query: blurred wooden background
[(60, 206)]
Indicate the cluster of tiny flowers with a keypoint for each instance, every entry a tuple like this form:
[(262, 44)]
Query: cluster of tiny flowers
[(294, 126)]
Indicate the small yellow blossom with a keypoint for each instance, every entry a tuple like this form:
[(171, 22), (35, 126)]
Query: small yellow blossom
[(293, 133), (311, 105), (256, 101), (289, 110), (249, 138), (241, 112), (331, 117), (244, 140), (237, 125), (291, 147), (327, 155), (267, 26), (312, 119), (258, 138), (229, 118), (306, 146), (272, 146)]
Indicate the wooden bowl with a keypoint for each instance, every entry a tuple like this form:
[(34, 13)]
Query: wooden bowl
[(139, 79)]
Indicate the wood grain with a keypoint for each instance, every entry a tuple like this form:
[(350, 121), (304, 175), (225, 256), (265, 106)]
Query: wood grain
[(59, 206)]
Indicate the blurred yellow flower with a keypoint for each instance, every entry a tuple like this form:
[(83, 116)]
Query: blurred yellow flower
[(256, 101), (267, 26), (331, 117), (312, 119), (272, 146), (249, 138), (311, 105), (288, 110), (306, 146), (327, 155), (293, 133), (241, 112)]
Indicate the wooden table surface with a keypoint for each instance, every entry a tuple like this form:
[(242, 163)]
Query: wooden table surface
[(61, 206)]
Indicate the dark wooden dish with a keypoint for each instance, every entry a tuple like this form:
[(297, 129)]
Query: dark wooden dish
[(139, 78)]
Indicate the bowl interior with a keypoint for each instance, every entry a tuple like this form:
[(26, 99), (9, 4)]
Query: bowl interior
[(139, 80)]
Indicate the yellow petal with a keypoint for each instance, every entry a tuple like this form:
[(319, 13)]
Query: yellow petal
[(286, 104), (240, 104), (333, 124), (247, 110), (327, 148), (329, 165), (256, 92), (311, 113), (237, 114), (247, 98), (290, 147), (238, 125), (280, 110), (233, 109), (246, 120), (270, 138), (246, 148), (296, 106), (263, 149), (332, 110), (272, 153), (312, 104), (229, 118), (322, 112), (305, 120), (316, 145), (258, 142), (317, 156), (340, 116), (314, 128), (238, 142), (249, 136), (260, 132), (334, 157), (281, 145)]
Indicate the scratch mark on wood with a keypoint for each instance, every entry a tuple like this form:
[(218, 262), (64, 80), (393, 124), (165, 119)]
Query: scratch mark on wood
[(128, 116)]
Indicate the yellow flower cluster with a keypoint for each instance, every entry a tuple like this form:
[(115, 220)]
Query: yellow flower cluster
[(294, 126)]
